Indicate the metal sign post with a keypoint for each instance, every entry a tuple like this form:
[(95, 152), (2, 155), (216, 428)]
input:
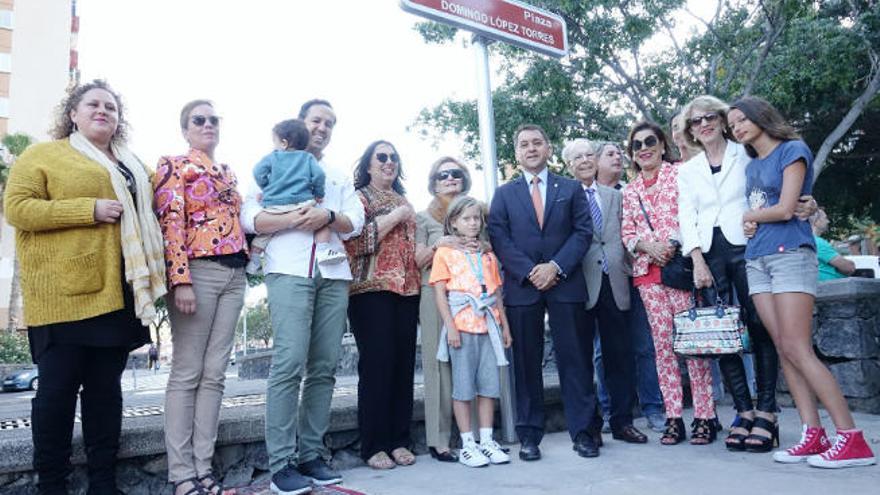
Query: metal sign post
[(517, 23), (488, 152)]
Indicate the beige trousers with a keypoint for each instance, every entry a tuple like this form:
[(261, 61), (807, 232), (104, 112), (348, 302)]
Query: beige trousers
[(202, 343), (437, 375)]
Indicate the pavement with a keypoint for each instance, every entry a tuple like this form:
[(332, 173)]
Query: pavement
[(622, 468)]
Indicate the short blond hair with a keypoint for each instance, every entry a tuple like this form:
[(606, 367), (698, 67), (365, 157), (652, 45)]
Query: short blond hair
[(711, 104)]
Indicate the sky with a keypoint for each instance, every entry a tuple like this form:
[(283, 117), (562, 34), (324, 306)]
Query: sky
[(259, 60)]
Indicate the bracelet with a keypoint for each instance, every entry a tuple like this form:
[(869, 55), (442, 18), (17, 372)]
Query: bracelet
[(332, 218)]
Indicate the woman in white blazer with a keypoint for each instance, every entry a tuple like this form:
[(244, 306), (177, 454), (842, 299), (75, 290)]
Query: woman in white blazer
[(712, 201)]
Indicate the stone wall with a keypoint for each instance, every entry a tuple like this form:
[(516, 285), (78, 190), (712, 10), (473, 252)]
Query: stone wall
[(846, 336)]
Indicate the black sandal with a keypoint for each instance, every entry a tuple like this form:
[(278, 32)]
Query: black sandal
[(674, 433), (736, 441), (447, 456), (760, 443), (197, 487), (212, 485), (702, 432)]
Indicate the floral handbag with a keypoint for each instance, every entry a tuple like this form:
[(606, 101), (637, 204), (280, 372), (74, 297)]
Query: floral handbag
[(710, 331)]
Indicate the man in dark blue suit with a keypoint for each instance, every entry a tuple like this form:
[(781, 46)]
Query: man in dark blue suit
[(540, 229)]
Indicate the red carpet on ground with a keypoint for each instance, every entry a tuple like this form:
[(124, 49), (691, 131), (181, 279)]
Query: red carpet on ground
[(263, 489)]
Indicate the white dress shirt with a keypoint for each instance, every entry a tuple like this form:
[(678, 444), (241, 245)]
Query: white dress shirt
[(542, 186), (291, 252)]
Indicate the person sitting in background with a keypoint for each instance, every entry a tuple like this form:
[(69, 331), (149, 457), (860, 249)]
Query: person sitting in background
[(831, 264)]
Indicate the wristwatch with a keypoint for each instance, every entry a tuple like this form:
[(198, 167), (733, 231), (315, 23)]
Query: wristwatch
[(332, 217)]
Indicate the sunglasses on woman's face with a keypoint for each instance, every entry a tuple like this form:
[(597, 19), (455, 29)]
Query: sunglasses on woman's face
[(199, 120), (647, 143), (384, 157), (708, 118), (449, 174)]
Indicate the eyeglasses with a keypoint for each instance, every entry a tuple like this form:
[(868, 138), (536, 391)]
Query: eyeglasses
[(199, 120), (698, 120), (453, 173), (582, 157), (384, 157), (647, 143)]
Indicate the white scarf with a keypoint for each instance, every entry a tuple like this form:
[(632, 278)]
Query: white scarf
[(142, 243)]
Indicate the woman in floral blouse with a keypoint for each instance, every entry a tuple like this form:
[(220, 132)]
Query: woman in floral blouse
[(384, 308), (650, 230), (205, 255)]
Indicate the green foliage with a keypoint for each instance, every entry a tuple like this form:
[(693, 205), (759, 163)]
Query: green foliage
[(259, 324), (15, 144), (14, 348), (812, 60)]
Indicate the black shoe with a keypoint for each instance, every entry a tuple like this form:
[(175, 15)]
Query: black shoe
[(447, 456), (318, 472), (585, 446), (529, 451), (737, 441), (629, 434), (289, 481), (703, 432), (674, 433), (756, 442)]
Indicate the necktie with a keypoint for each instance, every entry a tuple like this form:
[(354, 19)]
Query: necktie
[(537, 202), (596, 213)]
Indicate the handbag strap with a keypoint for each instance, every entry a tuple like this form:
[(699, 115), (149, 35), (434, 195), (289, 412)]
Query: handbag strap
[(645, 212)]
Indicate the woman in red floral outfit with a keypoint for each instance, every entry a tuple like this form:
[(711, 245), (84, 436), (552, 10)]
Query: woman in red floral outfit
[(649, 229), (384, 308)]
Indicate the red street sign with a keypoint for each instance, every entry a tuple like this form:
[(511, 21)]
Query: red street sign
[(505, 20)]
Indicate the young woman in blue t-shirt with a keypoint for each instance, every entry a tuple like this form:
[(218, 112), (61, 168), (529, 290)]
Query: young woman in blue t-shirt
[(782, 273)]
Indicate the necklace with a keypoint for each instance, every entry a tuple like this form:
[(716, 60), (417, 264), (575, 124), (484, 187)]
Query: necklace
[(477, 269)]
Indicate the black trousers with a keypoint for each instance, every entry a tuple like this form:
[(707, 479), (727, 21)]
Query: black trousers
[(728, 266), (63, 370), (384, 327), (573, 347), (618, 358)]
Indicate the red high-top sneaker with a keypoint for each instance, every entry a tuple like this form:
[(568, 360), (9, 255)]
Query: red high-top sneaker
[(813, 441), (849, 449)]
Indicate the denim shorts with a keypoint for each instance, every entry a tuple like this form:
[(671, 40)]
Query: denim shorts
[(794, 270), (474, 368)]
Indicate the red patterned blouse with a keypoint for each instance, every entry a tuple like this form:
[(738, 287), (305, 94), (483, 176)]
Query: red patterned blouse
[(662, 207), (389, 264), (198, 206)]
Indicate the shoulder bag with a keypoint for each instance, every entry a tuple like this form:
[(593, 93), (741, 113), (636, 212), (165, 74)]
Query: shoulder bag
[(678, 273), (710, 331)]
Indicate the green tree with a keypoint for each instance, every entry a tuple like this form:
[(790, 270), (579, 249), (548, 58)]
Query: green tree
[(259, 324), (819, 62), (15, 144)]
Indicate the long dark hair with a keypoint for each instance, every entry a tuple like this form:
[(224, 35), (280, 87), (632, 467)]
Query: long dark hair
[(362, 169), (764, 115), (658, 131)]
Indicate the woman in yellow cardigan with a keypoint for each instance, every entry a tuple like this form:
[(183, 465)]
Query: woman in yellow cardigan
[(91, 258)]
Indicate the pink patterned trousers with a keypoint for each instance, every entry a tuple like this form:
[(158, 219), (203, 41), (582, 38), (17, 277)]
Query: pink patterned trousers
[(661, 303)]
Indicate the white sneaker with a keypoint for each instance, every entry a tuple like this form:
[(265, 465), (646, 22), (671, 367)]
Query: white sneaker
[(471, 456), (330, 257), (493, 452)]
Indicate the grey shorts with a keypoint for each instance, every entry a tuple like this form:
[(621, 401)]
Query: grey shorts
[(474, 368), (795, 270)]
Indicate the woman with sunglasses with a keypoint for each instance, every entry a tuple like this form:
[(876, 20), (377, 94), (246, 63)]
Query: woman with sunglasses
[(650, 232), (384, 308), (783, 274), (447, 179), (711, 205), (205, 255)]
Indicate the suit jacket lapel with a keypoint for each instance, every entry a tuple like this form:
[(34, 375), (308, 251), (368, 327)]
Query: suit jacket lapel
[(605, 198), (523, 193), (727, 163), (552, 192)]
